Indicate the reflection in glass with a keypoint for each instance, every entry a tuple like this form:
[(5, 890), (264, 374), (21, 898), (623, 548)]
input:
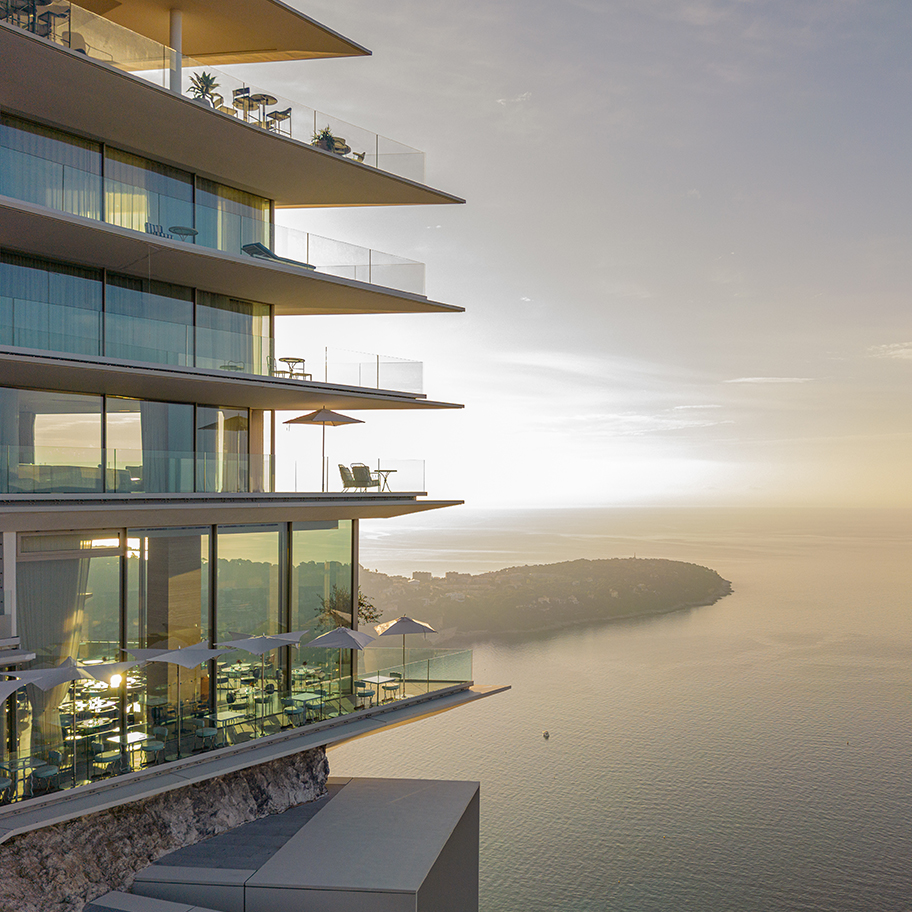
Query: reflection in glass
[(49, 442), (232, 334), (227, 219), (168, 607), (250, 561), (145, 195), (221, 449), (49, 306), (149, 445), (321, 597), (68, 606), (50, 168), (148, 321)]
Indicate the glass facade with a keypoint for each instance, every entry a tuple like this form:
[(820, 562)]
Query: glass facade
[(61, 307), (228, 219), (145, 195), (50, 168), (93, 596), (72, 443), (148, 321), (50, 306)]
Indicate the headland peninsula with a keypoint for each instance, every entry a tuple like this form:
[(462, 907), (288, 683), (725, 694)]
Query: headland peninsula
[(466, 608)]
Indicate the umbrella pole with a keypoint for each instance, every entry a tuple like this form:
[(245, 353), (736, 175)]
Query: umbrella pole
[(323, 461), (402, 679)]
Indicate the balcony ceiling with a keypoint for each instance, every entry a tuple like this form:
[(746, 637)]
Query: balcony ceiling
[(84, 374), (230, 31), (27, 228), (52, 84)]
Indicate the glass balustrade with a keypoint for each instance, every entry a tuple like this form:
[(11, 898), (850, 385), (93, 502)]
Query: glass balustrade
[(155, 714), (88, 470), (124, 470), (258, 107)]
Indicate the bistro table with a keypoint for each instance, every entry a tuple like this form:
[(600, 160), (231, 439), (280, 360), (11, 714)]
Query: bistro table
[(293, 372), (130, 741), (380, 680), (384, 477), (263, 100)]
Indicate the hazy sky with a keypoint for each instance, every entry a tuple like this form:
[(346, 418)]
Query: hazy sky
[(684, 256)]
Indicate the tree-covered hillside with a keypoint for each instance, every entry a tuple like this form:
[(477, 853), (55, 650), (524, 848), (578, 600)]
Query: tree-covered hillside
[(465, 607)]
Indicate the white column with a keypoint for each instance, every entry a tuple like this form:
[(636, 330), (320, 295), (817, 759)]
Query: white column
[(175, 41)]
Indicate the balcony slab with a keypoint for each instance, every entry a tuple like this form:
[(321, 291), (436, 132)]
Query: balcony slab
[(37, 230), (84, 374), (43, 81), (49, 512)]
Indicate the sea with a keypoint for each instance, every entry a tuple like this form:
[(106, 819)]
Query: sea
[(754, 754)]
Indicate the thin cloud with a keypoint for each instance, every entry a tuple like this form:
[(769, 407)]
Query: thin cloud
[(518, 99), (901, 350), (769, 380), (708, 406)]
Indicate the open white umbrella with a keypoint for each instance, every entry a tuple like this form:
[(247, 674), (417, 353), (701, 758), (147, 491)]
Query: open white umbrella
[(184, 657), (342, 638), (400, 627), (260, 645), (324, 416)]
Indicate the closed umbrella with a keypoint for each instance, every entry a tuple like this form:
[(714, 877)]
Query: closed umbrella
[(400, 627), (324, 416)]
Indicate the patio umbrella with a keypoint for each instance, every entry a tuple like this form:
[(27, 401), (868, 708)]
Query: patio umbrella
[(66, 672), (324, 416), (184, 657), (400, 627), (260, 645), (342, 638)]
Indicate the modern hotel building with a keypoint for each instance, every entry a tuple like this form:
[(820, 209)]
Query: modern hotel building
[(141, 503)]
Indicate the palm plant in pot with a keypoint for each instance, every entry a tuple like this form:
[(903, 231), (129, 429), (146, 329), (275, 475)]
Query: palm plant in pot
[(203, 86)]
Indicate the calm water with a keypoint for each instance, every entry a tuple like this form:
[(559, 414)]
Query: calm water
[(751, 755)]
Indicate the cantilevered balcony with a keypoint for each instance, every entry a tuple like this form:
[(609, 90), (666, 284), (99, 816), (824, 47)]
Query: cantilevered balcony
[(219, 126)]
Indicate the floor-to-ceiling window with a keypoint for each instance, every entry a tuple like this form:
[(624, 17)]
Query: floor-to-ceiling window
[(321, 595), (146, 195), (250, 602), (148, 321), (232, 334), (221, 449), (229, 219), (50, 168), (49, 306), (68, 598), (167, 608), (149, 445), (50, 442)]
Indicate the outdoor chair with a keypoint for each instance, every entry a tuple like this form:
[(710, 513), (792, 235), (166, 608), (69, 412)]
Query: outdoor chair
[(275, 119), (364, 477), (48, 776), (348, 480)]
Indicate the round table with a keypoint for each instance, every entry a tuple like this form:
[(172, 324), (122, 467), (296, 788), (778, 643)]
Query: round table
[(183, 232)]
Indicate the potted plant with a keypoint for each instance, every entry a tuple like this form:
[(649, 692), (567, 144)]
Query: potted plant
[(203, 86), (324, 139)]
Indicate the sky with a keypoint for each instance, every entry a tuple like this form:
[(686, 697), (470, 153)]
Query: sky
[(684, 255)]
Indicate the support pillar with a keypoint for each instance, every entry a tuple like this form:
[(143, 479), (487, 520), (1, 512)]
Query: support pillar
[(176, 41)]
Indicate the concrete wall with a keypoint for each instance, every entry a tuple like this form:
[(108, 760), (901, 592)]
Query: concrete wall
[(61, 867)]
